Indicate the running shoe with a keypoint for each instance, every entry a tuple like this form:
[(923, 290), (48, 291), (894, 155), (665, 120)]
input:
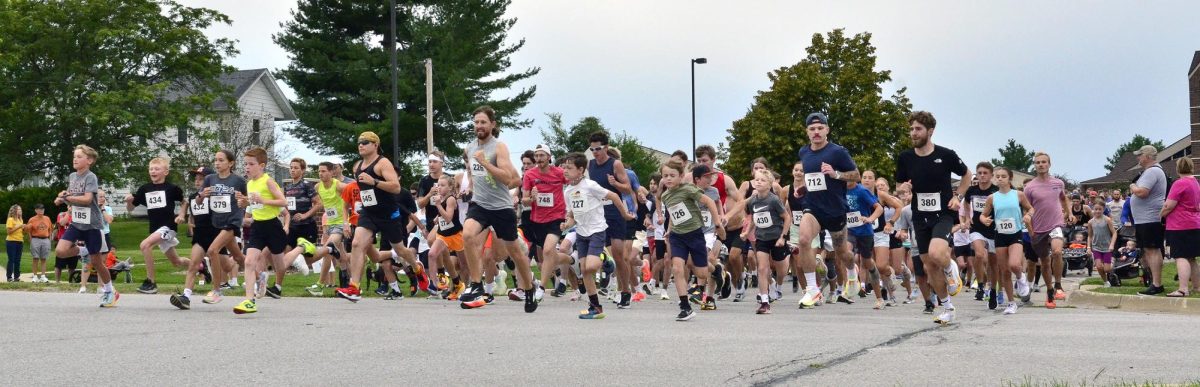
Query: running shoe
[(992, 301), (1059, 294), (212, 297), (422, 277), (776, 293), (890, 301), (878, 304), (260, 285), (953, 281), (381, 290), (531, 304), (694, 296), (333, 251), (109, 299), (394, 295), (979, 295), (845, 300), (516, 294), (351, 293), (812, 297), (454, 294), (472, 298), (1050, 304), (1023, 288), (443, 281), (1011, 309), (639, 297), (309, 248), (664, 296), (1000, 298), (561, 290), (709, 304), (180, 301), (148, 287), (539, 294), (741, 293), (316, 290), (928, 309), (226, 286), (945, 318), (247, 306), (592, 313), (685, 314), (764, 308), (275, 291)]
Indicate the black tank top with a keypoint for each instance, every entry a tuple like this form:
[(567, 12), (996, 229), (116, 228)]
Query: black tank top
[(795, 199), (1081, 217), (455, 225), (385, 202)]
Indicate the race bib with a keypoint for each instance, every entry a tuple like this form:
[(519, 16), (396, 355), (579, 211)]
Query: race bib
[(706, 217), (763, 219), (331, 213), (1056, 233), (221, 204), (367, 197), (156, 200), (545, 200), (929, 202), (576, 204), (814, 181), (255, 207), (606, 202), (853, 219), (200, 207), (1006, 226), (978, 203), (477, 169), (797, 216), (443, 224), (291, 203), (679, 213), (81, 215)]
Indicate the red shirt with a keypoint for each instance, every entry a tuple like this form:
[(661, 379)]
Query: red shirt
[(350, 196), (549, 206), (719, 184), (62, 215)]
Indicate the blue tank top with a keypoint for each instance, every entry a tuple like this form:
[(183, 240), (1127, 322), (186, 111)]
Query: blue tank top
[(599, 174), (1007, 209)]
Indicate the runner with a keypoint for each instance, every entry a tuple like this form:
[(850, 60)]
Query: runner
[(983, 237), (660, 272), (542, 191), (199, 221), (586, 199), (730, 195), (225, 192), (702, 178), (679, 200), (1048, 196), (85, 218), (889, 248), (771, 236), (303, 207), (862, 213), (795, 202), (449, 235), (1012, 212), (267, 237), (329, 189), (378, 186), (825, 206), (491, 173), (925, 170), (161, 199), (426, 189), (610, 174)]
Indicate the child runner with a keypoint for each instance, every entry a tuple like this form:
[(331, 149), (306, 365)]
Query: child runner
[(85, 218), (226, 194), (686, 236), (162, 201), (584, 199), (264, 198), (1012, 212), (770, 236)]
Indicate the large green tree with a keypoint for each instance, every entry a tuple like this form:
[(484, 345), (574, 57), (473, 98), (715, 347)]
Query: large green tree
[(1015, 157), (340, 72), (563, 140), (113, 74), (839, 78), (1136, 142)]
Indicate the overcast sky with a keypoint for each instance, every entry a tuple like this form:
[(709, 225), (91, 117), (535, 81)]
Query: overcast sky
[(1073, 78)]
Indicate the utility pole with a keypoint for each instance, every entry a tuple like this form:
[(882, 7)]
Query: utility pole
[(428, 105), (395, 87)]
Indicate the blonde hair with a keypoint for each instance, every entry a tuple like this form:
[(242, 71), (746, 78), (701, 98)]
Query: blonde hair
[(88, 151), (768, 173), (12, 211), (1184, 166), (164, 162), (452, 182), (1041, 153)]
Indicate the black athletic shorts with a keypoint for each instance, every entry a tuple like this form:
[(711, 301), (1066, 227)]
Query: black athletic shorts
[(733, 239), (631, 227), (933, 225), (918, 266), (306, 231), (390, 229), (1006, 240), (964, 251), (660, 249), (537, 232), (863, 245), (503, 221), (1149, 235), (778, 254), (268, 235), (61, 263), (831, 224), (203, 236)]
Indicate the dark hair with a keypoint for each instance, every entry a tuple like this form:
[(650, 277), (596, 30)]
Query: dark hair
[(574, 158), (680, 154), (986, 165), (1006, 171), (491, 115), (326, 164), (706, 150), (655, 177), (599, 136), (528, 155), (229, 156), (760, 160), (677, 166), (303, 164), (924, 118)]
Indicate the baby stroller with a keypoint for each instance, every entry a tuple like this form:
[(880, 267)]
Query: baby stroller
[(1128, 265), (1075, 253)]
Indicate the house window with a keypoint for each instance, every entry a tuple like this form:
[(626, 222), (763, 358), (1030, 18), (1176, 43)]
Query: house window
[(183, 135), (256, 134)]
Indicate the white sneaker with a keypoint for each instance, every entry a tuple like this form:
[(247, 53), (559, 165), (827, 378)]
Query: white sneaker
[(260, 286), (301, 266), (1011, 309), (741, 293), (953, 282), (82, 289), (664, 296), (1022, 287), (812, 297), (775, 292), (538, 293), (945, 318), (45, 280)]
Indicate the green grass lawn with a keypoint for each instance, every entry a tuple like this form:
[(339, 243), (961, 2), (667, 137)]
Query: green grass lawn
[(127, 235), (1132, 286)]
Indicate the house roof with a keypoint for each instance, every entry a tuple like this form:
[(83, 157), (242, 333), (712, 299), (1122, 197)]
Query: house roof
[(1195, 63), (241, 81), (1127, 167)]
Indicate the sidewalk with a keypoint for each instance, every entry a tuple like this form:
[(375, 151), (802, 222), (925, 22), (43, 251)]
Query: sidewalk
[(1084, 297)]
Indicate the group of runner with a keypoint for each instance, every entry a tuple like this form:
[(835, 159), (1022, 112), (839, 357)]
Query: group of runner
[(590, 224)]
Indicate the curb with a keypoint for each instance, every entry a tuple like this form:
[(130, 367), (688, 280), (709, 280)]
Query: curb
[(1085, 298)]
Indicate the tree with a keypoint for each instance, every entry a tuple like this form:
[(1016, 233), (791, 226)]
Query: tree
[(1138, 141), (340, 72), (575, 139), (1015, 157), (838, 77), (106, 73)]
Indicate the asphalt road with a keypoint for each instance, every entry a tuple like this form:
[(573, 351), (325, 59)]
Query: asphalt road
[(55, 338)]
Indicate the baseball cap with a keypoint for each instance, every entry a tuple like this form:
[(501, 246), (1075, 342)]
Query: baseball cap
[(369, 136), (701, 170), (541, 148), (1146, 150), (201, 170), (816, 118)]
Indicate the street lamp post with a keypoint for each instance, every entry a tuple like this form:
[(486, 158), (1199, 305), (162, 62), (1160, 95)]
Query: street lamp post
[(695, 62)]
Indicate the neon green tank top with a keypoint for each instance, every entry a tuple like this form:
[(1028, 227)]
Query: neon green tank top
[(332, 202), (262, 212)]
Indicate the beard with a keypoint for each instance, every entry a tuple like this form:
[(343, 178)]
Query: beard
[(919, 142), (483, 135)]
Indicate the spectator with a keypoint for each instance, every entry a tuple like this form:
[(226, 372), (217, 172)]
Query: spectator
[(15, 242), (60, 263), (1116, 205), (1182, 212), (40, 228), (1148, 193)]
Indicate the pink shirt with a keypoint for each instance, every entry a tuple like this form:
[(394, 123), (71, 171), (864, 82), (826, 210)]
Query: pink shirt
[(1186, 215), (1046, 199), (550, 206)]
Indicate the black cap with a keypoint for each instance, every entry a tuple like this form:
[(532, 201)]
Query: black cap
[(816, 118), (201, 171)]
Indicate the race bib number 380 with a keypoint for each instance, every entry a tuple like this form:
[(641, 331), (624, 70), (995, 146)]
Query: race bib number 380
[(929, 202)]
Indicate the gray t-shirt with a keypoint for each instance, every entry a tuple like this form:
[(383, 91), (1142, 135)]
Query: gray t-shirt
[(1146, 210), (767, 213), (222, 203), (1114, 211), (710, 225), (485, 190), (84, 217)]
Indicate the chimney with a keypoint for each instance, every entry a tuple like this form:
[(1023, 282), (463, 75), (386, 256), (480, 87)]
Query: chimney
[(1194, 103)]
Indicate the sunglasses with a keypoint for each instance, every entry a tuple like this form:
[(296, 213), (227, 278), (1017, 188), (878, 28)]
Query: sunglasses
[(364, 142), (596, 149)]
